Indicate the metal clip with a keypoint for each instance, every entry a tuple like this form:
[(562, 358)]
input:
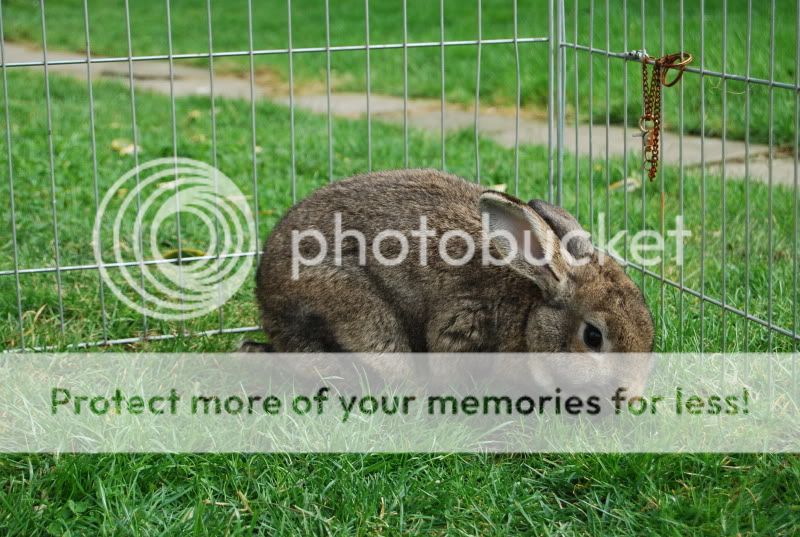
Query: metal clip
[(636, 55)]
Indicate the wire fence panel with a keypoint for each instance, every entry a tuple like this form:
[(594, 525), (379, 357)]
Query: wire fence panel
[(736, 289), (544, 100)]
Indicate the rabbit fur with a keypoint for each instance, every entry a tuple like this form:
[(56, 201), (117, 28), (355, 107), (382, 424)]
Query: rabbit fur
[(357, 304)]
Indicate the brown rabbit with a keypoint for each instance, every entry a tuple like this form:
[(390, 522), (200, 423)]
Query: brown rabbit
[(355, 303)]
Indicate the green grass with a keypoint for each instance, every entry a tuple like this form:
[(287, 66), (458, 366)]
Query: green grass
[(498, 82), (400, 494), (764, 286), (370, 494)]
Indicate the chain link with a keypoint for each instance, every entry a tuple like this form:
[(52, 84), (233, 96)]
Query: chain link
[(650, 122)]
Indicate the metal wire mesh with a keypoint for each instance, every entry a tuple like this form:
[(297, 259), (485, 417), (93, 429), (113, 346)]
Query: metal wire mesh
[(689, 301)]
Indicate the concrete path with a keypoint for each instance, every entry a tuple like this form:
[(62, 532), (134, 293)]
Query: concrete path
[(497, 124)]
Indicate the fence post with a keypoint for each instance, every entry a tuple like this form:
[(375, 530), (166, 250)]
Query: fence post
[(556, 103), (550, 96), (561, 60)]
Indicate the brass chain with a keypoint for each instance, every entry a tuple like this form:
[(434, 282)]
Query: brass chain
[(650, 122)]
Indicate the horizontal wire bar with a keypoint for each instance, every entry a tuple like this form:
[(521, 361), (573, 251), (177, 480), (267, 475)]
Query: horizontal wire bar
[(68, 268), (727, 76), (268, 52), (711, 300), (138, 339)]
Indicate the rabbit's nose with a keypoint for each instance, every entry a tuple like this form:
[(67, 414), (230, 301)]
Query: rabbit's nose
[(636, 387)]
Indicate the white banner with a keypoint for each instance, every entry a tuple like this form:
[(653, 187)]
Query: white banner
[(399, 403)]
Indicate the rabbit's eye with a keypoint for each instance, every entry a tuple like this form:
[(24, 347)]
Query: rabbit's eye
[(592, 337)]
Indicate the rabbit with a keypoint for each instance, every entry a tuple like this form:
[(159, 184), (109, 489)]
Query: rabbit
[(353, 303)]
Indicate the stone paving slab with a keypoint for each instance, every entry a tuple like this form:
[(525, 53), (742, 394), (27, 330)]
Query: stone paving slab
[(496, 124)]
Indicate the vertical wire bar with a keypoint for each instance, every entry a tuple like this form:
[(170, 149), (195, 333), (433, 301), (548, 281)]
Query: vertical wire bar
[(681, 188), (702, 178), (135, 135), (591, 118), (253, 144), (478, 98), (51, 154), (12, 207), (92, 134), (291, 100), (175, 155), (214, 143), (748, 41), (663, 284), (608, 122), (642, 173), (771, 116), (794, 201), (577, 114), (517, 102), (369, 87), (405, 83), (625, 130), (550, 97), (441, 62), (328, 87), (795, 192), (562, 90), (724, 176)]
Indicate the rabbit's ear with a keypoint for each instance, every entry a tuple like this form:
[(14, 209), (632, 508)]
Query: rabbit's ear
[(525, 241), (578, 242)]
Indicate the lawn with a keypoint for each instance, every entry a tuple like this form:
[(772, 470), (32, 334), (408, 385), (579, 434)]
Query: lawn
[(376, 494), (401, 494), (149, 35), (762, 285)]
